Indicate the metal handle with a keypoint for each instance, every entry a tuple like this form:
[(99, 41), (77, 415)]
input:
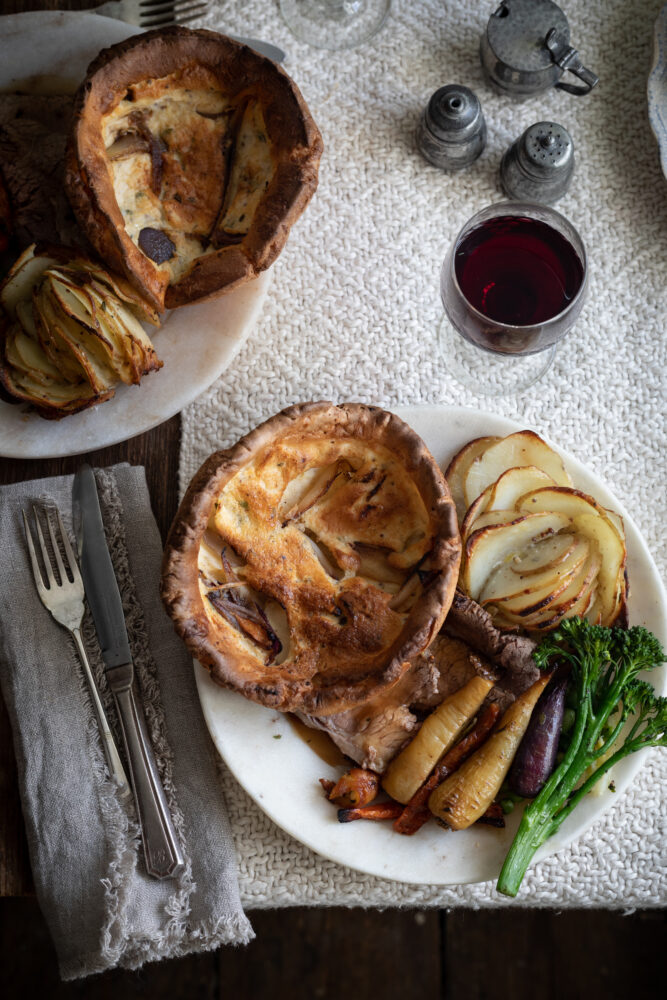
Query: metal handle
[(114, 763), (161, 848), (568, 59)]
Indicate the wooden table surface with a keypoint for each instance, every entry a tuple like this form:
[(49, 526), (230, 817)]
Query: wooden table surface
[(304, 953)]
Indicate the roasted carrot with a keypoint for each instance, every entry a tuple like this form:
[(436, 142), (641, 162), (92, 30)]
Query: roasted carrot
[(328, 785), (378, 810), (494, 816), (466, 795), (357, 787), (416, 812)]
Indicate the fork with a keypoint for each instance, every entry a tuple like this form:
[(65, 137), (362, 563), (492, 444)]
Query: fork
[(63, 597), (159, 13)]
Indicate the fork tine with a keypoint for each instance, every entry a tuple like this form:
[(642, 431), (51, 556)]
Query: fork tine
[(198, 7), (48, 569), (151, 8), (36, 569), (56, 550), (72, 564), (172, 15), (156, 22)]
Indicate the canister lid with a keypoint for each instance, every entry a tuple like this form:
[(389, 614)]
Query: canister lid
[(517, 30)]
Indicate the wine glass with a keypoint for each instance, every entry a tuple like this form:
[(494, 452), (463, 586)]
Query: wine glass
[(513, 284), (334, 24)]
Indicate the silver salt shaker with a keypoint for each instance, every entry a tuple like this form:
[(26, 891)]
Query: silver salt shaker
[(451, 133), (538, 166)]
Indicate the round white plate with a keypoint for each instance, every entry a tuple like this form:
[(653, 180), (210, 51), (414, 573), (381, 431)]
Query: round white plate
[(48, 52), (657, 86), (281, 774)]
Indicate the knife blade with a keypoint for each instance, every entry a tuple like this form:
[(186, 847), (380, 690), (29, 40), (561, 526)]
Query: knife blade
[(162, 852)]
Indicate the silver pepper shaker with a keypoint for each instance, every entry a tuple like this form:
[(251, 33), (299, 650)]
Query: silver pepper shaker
[(539, 165), (451, 133)]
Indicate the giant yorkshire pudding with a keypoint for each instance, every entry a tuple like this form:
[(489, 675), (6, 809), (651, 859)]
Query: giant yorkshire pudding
[(190, 158), (311, 561)]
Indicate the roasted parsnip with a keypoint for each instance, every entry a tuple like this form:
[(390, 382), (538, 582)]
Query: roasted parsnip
[(417, 812), (465, 796), (438, 732)]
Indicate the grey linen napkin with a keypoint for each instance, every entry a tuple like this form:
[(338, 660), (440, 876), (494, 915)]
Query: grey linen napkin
[(101, 907)]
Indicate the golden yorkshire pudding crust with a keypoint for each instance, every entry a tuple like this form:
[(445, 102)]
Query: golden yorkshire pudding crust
[(310, 562), (221, 154)]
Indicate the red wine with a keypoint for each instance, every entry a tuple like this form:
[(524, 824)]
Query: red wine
[(517, 271)]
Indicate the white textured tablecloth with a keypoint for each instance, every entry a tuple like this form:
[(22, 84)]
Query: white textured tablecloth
[(352, 314)]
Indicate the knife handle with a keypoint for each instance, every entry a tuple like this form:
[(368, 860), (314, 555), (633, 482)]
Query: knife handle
[(164, 858)]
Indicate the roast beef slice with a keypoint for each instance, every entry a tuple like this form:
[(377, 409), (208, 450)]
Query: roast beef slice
[(33, 134), (372, 734)]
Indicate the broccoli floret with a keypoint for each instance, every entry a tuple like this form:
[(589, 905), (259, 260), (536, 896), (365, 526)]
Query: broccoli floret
[(604, 664)]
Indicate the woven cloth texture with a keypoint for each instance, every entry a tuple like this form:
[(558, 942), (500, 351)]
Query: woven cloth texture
[(102, 909), (353, 311)]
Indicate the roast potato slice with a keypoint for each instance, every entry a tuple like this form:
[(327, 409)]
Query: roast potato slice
[(60, 351), (503, 494), (610, 598), (81, 339), (457, 470), (492, 517), (555, 598), (546, 553), (517, 450), (23, 275), (548, 615), (79, 324), (567, 500), (516, 483), (505, 584), (488, 548), (55, 399), (25, 355)]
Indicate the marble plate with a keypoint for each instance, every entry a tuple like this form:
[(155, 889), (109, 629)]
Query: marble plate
[(48, 52), (280, 772), (657, 87)]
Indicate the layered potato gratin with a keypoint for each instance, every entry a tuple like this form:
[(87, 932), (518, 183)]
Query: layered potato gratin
[(310, 562)]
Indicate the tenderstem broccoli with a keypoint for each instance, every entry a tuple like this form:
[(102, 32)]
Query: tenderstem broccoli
[(612, 705)]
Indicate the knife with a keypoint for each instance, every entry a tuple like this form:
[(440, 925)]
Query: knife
[(162, 852)]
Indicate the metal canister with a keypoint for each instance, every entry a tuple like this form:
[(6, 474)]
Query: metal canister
[(451, 133), (526, 49), (539, 165)]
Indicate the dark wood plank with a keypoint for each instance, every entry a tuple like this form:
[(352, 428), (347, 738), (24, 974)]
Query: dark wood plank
[(303, 954), (157, 451), (592, 955), (29, 967)]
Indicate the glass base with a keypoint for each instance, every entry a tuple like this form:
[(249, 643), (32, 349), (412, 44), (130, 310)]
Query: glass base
[(334, 24), (486, 373)]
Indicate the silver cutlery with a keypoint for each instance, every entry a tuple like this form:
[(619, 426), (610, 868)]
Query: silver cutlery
[(160, 13), (63, 597), (162, 851)]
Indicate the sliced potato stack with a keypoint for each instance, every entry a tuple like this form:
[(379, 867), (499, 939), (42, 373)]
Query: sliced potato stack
[(70, 332), (536, 550)]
